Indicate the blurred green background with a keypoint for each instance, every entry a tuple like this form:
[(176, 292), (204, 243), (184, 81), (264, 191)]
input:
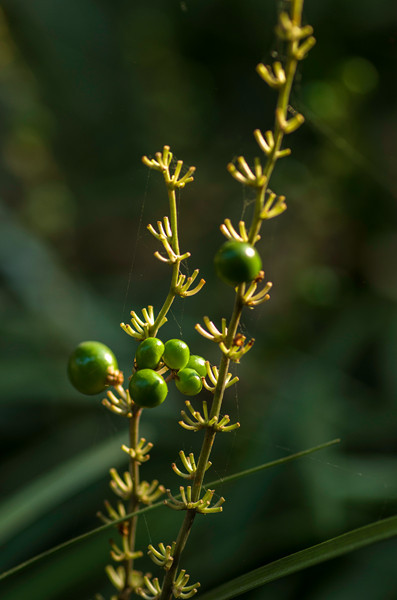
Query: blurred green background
[(86, 88)]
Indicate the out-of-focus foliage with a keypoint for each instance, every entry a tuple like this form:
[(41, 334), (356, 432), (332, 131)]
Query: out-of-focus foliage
[(86, 88)]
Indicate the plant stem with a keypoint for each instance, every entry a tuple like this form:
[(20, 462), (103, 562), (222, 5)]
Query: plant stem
[(282, 105), (205, 453), (134, 472), (209, 437), (175, 267), (133, 504)]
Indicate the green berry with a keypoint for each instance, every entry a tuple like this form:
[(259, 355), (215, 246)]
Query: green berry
[(147, 388), (198, 364), (188, 382), (149, 353), (237, 262), (89, 365), (176, 354)]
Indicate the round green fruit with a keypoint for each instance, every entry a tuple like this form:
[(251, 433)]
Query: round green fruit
[(198, 364), (188, 382), (147, 388), (176, 354), (89, 366), (149, 353), (237, 262)]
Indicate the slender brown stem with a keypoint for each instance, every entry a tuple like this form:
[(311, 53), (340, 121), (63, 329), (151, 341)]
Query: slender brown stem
[(134, 472), (133, 504)]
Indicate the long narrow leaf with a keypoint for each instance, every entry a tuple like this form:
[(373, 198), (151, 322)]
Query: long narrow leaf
[(211, 484), (273, 463), (352, 540)]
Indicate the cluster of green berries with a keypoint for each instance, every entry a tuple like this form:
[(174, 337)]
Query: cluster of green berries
[(93, 367), (147, 386)]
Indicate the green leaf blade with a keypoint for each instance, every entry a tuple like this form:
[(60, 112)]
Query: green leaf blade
[(332, 548)]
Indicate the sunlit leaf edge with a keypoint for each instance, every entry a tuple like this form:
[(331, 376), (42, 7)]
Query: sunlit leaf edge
[(332, 548)]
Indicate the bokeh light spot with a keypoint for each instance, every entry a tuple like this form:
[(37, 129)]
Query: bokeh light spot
[(359, 75)]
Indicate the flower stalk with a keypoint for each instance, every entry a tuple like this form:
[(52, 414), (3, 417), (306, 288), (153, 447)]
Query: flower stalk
[(157, 364), (299, 41), (129, 486)]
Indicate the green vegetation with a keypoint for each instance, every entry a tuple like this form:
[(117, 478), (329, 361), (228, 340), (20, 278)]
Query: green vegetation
[(79, 106)]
